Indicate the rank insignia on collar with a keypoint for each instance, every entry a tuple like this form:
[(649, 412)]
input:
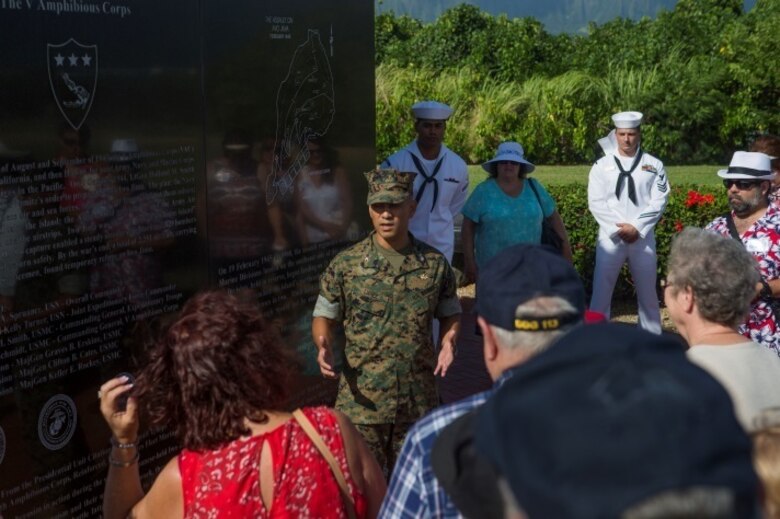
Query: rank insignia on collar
[(648, 167), (423, 276)]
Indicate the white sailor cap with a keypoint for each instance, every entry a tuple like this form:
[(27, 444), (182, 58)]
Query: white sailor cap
[(122, 150), (627, 119), (748, 165), (124, 146), (431, 110)]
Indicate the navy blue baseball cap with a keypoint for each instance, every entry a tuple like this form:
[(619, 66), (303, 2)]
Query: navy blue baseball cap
[(520, 273), (609, 416)]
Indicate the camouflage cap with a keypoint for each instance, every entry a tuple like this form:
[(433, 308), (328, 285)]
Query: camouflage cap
[(389, 186)]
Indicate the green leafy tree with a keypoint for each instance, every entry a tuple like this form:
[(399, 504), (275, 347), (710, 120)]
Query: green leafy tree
[(393, 38), (752, 74), (458, 36)]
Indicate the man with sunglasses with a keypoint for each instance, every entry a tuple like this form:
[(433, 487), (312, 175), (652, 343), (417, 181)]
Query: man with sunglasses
[(756, 224), (627, 192)]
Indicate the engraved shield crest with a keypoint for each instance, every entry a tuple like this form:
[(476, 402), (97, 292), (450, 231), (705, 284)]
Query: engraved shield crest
[(73, 71)]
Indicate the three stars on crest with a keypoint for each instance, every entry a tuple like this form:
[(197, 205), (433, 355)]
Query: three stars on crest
[(73, 60)]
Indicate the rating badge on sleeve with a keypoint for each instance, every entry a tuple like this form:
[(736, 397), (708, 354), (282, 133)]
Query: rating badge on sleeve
[(73, 72)]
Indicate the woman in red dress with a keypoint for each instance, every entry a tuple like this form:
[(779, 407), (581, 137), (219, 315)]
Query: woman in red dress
[(218, 379)]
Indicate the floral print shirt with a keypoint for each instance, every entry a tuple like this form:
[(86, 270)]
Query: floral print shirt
[(762, 240), (225, 483)]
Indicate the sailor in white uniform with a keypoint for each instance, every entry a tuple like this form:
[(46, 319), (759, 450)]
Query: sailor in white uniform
[(442, 181), (627, 192)]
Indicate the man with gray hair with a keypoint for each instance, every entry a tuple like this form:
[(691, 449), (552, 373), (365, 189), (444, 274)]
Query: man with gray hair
[(707, 307), (527, 297)]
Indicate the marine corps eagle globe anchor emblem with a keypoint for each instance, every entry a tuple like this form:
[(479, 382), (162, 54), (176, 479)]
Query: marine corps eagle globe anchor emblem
[(73, 69)]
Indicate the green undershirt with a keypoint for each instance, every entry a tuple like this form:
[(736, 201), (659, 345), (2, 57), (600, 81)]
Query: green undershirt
[(394, 258)]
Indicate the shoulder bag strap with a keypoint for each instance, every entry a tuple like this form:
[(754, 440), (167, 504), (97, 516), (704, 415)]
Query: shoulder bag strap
[(316, 439), (538, 200), (732, 228)]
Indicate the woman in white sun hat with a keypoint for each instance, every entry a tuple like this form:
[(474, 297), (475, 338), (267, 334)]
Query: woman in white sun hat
[(506, 209)]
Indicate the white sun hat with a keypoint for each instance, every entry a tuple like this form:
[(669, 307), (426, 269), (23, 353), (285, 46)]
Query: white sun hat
[(749, 165), (511, 151)]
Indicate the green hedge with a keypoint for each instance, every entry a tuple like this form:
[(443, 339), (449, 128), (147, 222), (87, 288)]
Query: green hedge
[(689, 205)]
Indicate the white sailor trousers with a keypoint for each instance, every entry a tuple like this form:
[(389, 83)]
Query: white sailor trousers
[(611, 254)]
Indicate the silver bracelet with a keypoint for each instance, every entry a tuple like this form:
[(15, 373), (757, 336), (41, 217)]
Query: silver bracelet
[(116, 443), (123, 464)]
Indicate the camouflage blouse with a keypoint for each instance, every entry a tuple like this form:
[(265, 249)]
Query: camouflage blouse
[(387, 316)]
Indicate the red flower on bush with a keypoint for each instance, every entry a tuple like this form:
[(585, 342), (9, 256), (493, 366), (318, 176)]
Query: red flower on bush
[(695, 199), (678, 226)]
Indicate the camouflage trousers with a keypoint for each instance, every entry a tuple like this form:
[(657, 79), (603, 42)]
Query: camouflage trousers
[(384, 441)]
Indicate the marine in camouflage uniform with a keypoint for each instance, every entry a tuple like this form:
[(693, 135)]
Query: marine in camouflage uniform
[(386, 290)]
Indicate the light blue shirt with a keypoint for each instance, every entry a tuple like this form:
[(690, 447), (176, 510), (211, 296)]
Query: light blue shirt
[(502, 220)]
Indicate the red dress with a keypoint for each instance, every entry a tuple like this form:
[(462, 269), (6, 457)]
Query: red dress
[(226, 482)]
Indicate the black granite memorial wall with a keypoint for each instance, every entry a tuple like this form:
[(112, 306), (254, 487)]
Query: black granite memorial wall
[(149, 150)]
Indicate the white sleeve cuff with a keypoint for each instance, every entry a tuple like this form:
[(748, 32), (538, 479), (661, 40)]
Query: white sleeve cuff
[(324, 308)]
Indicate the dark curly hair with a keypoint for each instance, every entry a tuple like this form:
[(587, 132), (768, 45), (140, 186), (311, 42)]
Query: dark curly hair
[(521, 174), (219, 363)]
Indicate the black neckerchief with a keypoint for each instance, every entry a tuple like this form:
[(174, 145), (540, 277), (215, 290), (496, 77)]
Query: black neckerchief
[(627, 175), (429, 179)]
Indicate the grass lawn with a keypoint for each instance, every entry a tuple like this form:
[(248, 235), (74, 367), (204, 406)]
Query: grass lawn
[(551, 175)]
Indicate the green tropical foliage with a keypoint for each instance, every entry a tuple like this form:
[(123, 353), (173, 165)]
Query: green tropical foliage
[(557, 15), (705, 75)]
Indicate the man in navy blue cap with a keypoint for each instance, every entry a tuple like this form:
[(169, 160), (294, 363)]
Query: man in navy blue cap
[(610, 422), (527, 297)]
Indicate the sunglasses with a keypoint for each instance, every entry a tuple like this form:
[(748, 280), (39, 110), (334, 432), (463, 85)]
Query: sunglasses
[(742, 185)]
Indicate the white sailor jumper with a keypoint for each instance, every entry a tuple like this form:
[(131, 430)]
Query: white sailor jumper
[(433, 222), (651, 195)]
